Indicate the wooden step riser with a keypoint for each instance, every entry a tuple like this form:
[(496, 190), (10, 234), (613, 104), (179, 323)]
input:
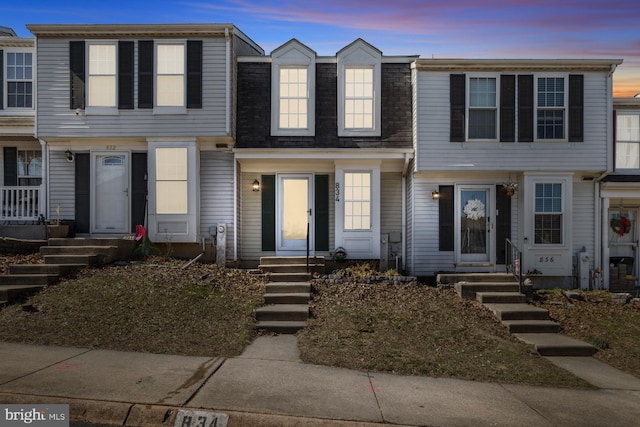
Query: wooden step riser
[(290, 288), (533, 329), (288, 268), (291, 260), (289, 277), (73, 259), (505, 299), (18, 294), (29, 279), (452, 278), (281, 327), (285, 316), (61, 270), (469, 290), (286, 299), (522, 315)]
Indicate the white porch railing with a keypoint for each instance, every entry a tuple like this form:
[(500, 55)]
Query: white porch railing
[(20, 203)]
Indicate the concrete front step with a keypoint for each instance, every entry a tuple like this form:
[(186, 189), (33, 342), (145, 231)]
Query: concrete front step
[(72, 259), (289, 312), (281, 326), (290, 298), (532, 326), (518, 312), (501, 297), (557, 345), (12, 293), (468, 290), (29, 279), (59, 269), (288, 287), (289, 277)]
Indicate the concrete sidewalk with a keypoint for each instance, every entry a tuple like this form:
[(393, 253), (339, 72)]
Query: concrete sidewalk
[(268, 385)]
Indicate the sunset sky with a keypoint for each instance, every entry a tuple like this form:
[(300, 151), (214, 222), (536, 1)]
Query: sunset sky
[(440, 29)]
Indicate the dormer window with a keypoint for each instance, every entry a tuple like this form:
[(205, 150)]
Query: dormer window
[(359, 88), (293, 72)]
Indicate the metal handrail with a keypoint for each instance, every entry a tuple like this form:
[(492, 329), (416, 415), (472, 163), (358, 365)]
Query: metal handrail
[(513, 262), (307, 247)]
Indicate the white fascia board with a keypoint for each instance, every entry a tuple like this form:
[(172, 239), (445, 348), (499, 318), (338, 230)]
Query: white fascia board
[(321, 154)]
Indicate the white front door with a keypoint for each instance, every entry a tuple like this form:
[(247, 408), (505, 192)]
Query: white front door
[(295, 214), (110, 213), (473, 224)]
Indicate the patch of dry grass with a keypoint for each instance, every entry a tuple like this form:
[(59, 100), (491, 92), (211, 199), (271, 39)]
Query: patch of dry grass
[(157, 307), (612, 327), (419, 330)]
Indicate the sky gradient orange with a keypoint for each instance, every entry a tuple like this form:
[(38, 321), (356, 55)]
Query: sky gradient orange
[(449, 29)]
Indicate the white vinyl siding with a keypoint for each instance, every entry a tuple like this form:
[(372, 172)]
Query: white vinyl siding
[(435, 152), (583, 220), (217, 195), (61, 186), (56, 119)]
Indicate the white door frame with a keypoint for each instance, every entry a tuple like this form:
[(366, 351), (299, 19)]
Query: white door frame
[(298, 248), (484, 260), (94, 194)]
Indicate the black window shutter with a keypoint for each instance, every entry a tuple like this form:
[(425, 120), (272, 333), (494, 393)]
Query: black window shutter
[(503, 223), (138, 189), (125, 75), (145, 74), (507, 108), (268, 191), (445, 218), (1, 77), (525, 108), (77, 78), (194, 74), (457, 99), (10, 165), (82, 192), (576, 108), (321, 209)]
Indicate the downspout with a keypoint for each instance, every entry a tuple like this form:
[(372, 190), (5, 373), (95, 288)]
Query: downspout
[(227, 89), (235, 208), (44, 202), (407, 158)]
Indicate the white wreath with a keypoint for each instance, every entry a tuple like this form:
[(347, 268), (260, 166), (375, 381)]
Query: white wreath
[(474, 209)]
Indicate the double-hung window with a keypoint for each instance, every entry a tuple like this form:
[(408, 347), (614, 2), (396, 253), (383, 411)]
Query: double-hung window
[(29, 167), (548, 216), (357, 200), (294, 98), (102, 75), (293, 85), (551, 111), (482, 108), (170, 75), (359, 90), (19, 71), (628, 141), (358, 98)]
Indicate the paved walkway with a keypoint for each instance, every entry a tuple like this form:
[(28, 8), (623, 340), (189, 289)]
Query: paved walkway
[(268, 385)]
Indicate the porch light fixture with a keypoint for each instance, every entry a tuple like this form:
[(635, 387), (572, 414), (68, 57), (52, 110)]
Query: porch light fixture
[(69, 155), (435, 195), (256, 185)]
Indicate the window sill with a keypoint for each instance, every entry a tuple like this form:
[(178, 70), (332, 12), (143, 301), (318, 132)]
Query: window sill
[(293, 132), (358, 132)]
